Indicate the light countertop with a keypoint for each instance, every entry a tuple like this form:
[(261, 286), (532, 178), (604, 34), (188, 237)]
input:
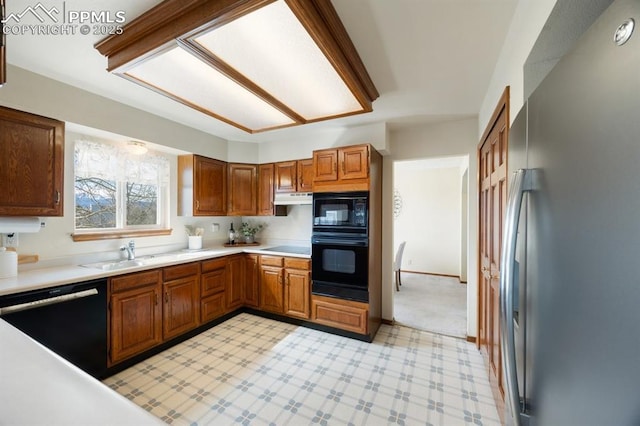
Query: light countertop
[(39, 278), (37, 387)]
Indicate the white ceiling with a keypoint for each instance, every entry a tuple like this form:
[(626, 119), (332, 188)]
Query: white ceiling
[(431, 60)]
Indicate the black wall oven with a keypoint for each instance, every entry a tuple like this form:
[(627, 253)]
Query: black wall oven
[(340, 245), (340, 213)]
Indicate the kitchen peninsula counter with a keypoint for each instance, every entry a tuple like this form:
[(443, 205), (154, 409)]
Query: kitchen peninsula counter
[(37, 387)]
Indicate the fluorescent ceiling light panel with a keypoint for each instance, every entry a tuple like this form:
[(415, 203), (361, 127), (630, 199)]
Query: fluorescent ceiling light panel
[(272, 48), (182, 75)]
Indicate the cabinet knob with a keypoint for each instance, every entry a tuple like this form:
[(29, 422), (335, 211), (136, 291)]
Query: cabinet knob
[(57, 197)]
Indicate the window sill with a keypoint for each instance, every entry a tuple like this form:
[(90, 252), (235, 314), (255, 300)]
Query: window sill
[(109, 235)]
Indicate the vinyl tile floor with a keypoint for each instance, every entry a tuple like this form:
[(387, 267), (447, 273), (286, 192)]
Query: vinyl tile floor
[(251, 370)]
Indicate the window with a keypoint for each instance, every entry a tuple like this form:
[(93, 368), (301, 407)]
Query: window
[(117, 192)]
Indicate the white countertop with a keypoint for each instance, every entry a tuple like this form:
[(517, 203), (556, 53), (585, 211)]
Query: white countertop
[(40, 278), (37, 387)]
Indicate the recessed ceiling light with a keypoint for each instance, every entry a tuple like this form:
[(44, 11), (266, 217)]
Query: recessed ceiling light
[(137, 147), (255, 64)]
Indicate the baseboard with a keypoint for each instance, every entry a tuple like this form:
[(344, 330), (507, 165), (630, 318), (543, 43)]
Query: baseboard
[(434, 274), (471, 339), (388, 322)]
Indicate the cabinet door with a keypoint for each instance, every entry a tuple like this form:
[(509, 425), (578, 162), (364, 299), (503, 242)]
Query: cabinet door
[(353, 162), (252, 280), (210, 187), (297, 291), (31, 164), (212, 307), (135, 322), (265, 189), (305, 175), (325, 165), (243, 187), (271, 289), (286, 176), (234, 291), (181, 304)]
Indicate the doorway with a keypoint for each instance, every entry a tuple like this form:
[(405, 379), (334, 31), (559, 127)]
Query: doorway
[(430, 215)]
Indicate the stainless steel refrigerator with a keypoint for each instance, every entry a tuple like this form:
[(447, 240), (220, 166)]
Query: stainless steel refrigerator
[(570, 281)]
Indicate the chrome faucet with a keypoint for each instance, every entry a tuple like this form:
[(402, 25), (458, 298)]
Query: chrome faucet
[(130, 249)]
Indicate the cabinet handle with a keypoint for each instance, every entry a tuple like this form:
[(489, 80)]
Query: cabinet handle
[(300, 180), (166, 297), (57, 197), (198, 204), (334, 167), (156, 295), (485, 269), (342, 168)]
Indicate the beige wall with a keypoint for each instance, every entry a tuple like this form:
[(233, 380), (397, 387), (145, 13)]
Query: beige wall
[(451, 138), (429, 221), (527, 23)]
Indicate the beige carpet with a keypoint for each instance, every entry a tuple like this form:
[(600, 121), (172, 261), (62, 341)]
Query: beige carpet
[(432, 303)]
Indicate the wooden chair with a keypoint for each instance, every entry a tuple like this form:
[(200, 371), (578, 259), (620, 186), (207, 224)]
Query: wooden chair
[(397, 264)]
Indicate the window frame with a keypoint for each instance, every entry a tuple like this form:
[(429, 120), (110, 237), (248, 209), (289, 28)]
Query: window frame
[(162, 227)]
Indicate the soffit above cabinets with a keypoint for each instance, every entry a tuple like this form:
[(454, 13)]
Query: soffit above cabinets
[(255, 64)]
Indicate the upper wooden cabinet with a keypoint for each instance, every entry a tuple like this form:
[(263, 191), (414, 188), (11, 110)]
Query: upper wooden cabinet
[(294, 176), (243, 189), (202, 186), (265, 189), (342, 169), (31, 164)]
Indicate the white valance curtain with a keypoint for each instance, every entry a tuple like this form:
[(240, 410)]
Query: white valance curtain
[(112, 161)]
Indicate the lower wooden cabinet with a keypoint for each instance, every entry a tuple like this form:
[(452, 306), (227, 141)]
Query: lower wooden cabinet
[(135, 322), (271, 288), (234, 291), (343, 314), (251, 281), (297, 289), (212, 287), (181, 299)]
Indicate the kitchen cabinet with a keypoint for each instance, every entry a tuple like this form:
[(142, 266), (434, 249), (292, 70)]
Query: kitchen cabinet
[(271, 284), (265, 189), (285, 285), (31, 164), (202, 186), (234, 290), (135, 313), (346, 315), (242, 190), (181, 299), (294, 176), (212, 286), (297, 274), (345, 168), (251, 281)]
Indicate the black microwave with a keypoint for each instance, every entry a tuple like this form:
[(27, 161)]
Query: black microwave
[(339, 213)]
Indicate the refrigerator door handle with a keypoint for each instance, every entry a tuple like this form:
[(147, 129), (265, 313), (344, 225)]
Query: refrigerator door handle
[(520, 183)]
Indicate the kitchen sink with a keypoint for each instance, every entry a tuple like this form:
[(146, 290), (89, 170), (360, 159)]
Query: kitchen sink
[(154, 259)]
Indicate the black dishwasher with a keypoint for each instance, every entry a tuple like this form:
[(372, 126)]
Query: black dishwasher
[(71, 320)]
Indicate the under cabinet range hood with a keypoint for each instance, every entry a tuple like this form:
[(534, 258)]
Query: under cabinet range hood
[(292, 198)]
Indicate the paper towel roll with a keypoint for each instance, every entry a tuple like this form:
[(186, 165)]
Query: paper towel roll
[(9, 225), (8, 263)]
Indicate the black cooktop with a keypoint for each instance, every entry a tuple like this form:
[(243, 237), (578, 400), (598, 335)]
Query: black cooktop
[(290, 249)]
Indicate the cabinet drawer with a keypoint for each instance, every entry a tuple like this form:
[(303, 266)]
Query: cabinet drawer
[(179, 271), (213, 264), (271, 260), (135, 280), (212, 282), (211, 307), (343, 314), (297, 263)]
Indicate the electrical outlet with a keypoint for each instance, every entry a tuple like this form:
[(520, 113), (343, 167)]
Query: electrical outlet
[(215, 227), (10, 240)]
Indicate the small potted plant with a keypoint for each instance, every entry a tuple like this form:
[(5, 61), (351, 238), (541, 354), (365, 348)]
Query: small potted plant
[(249, 231)]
